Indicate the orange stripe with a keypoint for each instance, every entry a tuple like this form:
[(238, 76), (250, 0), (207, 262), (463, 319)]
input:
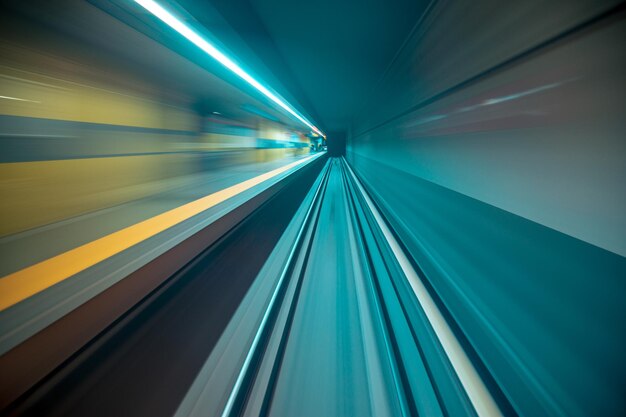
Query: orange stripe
[(22, 284)]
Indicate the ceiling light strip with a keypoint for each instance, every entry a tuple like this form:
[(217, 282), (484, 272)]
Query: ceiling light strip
[(170, 20)]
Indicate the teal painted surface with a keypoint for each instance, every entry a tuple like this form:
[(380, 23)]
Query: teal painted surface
[(543, 310), (497, 155), (359, 343), (325, 368)]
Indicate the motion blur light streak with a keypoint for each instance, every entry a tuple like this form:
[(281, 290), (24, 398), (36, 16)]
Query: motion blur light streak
[(178, 238), (473, 384), (27, 282), (246, 370), (157, 10), (18, 99)]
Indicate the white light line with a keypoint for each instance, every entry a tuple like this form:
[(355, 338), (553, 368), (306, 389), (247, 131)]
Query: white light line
[(230, 403), (169, 19), (19, 99), (477, 392)]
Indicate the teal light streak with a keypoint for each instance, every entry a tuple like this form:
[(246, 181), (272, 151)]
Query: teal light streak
[(166, 17)]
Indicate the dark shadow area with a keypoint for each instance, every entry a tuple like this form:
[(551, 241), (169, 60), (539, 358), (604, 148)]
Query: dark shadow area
[(337, 143)]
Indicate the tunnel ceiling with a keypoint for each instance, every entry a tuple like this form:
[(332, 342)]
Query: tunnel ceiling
[(327, 54), (323, 56)]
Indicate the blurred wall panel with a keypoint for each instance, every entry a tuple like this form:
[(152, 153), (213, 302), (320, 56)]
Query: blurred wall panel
[(542, 138), (82, 130), (72, 145), (501, 127)]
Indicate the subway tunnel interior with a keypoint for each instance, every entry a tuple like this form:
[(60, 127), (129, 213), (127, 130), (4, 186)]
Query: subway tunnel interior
[(312, 208)]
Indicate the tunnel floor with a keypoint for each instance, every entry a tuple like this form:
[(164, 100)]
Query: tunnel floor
[(144, 363), (337, 341)]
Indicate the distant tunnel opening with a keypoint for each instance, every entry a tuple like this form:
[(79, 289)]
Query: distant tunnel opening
[(337, 143)]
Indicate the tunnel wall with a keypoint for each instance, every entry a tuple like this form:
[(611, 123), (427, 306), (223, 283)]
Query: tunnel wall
[(494, 145), (76, 137), (337, 143)]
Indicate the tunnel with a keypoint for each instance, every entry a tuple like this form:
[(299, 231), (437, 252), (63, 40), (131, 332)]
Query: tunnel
[(313, 208)]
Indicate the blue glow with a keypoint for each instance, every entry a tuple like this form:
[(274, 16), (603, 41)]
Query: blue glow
[(169, 19)]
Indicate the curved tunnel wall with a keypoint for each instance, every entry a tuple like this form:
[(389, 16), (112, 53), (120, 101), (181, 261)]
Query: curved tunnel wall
[(504, 144)]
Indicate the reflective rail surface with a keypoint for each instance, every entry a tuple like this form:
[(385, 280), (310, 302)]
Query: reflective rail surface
[(349, 338)]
